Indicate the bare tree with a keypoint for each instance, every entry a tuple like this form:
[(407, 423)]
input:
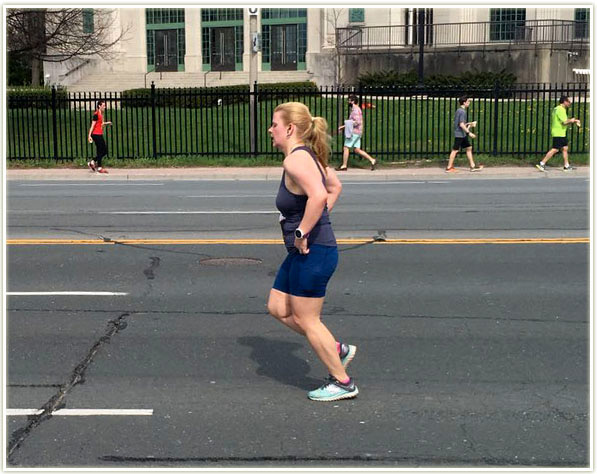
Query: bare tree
[(60, 34), (333, 18)]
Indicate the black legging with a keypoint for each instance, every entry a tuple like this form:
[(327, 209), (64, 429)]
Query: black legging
[(102, 149)]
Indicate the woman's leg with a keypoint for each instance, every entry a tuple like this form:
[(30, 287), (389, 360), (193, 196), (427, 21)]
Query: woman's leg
[(102, 149), (345, 155), (307, 316), (364, 154), (278, 306)]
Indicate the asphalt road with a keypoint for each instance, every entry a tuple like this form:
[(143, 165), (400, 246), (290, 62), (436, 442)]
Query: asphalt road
[(469, 355), (244, 209)]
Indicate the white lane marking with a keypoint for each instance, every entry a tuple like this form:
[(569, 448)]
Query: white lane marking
[(80, 412), (231, 196), (392, 182), (65, 293), (94, 184), (189, 212)]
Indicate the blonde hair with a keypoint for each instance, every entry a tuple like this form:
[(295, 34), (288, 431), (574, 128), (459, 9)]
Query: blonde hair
[(312, 130)]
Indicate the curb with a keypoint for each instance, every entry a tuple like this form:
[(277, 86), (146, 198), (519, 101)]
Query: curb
[(275, 173)]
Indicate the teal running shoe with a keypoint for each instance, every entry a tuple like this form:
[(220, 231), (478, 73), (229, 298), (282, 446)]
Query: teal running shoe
[(347, 353), (333, 390)]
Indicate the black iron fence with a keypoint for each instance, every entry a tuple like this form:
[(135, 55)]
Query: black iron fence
[(398, 123)]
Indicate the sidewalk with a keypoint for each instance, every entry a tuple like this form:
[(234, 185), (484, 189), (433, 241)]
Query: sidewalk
[(275, 173)]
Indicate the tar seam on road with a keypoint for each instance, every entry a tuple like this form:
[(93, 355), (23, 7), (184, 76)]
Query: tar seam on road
[(368, 458), (58, 400), (326, 313)]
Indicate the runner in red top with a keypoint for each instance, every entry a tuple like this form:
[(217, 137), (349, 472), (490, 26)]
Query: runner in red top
[(96, 135)]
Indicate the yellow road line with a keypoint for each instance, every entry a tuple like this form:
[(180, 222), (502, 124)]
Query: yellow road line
[(463, 241)]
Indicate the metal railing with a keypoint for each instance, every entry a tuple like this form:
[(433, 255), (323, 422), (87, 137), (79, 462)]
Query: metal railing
[(406, 122), (484, 35)]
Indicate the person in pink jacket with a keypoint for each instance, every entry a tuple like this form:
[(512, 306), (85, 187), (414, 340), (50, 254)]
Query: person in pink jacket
[(352, 137)]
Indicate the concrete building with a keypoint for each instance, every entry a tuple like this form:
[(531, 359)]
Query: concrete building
[(191, 47)]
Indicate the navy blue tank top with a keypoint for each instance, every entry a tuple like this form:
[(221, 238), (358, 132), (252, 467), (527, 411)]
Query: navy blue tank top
[(292, 208)]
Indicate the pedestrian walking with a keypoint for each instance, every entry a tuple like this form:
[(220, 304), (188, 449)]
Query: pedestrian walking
[(308, 192), (353, 131), (96, 135), (462, 132), (559, 126)]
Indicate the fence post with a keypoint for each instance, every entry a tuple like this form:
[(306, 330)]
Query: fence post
[(54, 123), (253, 118), (153, 124), (496, 95)]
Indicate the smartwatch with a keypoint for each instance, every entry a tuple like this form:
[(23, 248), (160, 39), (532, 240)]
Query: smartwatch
[(299, 234)]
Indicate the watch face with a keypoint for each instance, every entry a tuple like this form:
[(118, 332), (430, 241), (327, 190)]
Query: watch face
[(298, 234)]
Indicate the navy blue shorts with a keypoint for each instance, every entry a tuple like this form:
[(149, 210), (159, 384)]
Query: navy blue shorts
[(307, 275)]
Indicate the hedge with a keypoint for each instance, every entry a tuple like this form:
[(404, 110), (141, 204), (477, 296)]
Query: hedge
[(35, 97), (410, 79), (198, 97)]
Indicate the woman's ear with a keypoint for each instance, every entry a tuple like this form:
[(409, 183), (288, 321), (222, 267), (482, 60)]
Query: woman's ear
[(289, 130)]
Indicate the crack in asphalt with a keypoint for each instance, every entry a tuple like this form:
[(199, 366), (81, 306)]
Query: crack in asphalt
[(58, 400)]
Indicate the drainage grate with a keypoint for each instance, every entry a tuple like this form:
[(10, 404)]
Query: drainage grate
[(231, 261)]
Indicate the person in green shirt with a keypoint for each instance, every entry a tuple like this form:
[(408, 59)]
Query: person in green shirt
[(559, 126)]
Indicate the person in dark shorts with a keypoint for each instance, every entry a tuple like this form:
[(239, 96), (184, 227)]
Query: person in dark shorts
[(559, 126), (96, 135), (308, 191), (462, 132)]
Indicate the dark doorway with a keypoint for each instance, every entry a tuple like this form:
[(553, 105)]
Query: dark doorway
[(284, 48), (411, 20), (166, 50), (222, 49)]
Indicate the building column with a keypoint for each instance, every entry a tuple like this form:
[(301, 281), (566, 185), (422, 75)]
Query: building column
[(192, 27)]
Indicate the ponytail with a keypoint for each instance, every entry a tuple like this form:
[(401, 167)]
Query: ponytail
[(318, 139), (313, 130)]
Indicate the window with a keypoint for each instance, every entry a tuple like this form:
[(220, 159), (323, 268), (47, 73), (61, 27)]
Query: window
[(273, 13), (160, 16), (356, 15), (507, 24), (221, 14), (158, 21), (411, 21), (218, 18), (581, 27), (88, 20), (283, 38)]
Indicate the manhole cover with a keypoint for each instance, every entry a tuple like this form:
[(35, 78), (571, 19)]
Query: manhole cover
[(230, 261)]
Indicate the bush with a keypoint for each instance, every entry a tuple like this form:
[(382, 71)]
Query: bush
[(392, 79), (35, 97), (198, 97)]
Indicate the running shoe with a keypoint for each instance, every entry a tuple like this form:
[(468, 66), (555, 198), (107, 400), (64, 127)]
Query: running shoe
[(102, 170), (91, 165), (540, 167), (451, 170), (333, 390), (569, 168), (373, 165), (477, 168), (347, 353)]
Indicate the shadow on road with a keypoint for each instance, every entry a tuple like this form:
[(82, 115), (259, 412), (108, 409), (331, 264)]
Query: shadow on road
[(277, 361)]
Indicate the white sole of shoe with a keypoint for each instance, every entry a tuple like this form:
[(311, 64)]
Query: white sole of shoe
[(350, 356), (344, 396)]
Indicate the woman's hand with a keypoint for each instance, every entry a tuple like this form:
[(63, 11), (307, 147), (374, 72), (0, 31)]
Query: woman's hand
[(90, 140), (301, 245)]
